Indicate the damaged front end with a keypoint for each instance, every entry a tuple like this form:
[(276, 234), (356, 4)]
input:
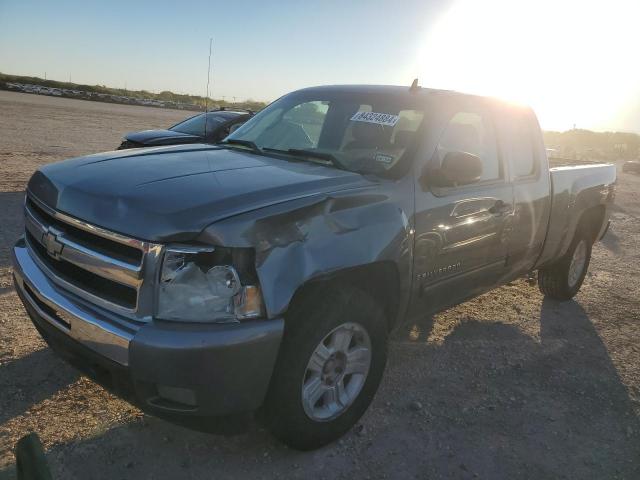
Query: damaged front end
[(323, 236)]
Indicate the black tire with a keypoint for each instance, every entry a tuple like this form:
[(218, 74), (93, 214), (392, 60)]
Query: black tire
[(553, 280), (312, 318)]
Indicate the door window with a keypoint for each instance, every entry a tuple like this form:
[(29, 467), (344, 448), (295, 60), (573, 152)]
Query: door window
[(472, 132)]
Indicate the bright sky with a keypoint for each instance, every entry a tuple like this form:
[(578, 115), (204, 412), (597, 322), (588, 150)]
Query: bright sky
[(573, 61)]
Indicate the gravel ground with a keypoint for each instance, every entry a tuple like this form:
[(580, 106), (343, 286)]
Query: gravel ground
[(509, 385)]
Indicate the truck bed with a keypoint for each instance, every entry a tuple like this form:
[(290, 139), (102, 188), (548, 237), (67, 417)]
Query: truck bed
[(576, 189), (571, 162)]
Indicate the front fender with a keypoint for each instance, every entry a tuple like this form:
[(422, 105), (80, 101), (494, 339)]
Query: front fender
[(300, 240)]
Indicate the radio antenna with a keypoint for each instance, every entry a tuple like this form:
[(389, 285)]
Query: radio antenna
[(206, 100)]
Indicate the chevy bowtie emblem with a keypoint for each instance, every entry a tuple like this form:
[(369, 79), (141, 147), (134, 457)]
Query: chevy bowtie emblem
[(52, 244)]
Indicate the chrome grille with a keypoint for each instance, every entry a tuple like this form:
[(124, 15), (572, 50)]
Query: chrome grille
[(104, 267)]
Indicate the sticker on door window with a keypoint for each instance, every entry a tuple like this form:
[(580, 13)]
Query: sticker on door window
[(383, 158), (378, 118)]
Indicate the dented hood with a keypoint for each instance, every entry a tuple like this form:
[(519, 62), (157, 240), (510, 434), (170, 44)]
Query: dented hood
[(173, 193)]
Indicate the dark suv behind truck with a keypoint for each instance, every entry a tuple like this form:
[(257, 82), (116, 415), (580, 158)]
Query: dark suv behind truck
[(266, 273), (210, 127)]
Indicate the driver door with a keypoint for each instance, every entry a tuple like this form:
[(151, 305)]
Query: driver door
[(462, 231)]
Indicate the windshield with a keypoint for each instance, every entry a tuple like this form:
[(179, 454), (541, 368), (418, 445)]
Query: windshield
[(367, 132), (195, 125)]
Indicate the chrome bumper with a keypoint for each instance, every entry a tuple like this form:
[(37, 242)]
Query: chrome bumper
[(171, 369), (99, 331)]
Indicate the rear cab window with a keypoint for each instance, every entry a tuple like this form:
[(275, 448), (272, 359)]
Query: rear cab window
[(521, 146)]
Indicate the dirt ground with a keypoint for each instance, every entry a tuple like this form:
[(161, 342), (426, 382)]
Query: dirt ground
[(509, 385)]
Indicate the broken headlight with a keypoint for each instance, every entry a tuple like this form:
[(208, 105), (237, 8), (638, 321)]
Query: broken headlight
[(202, 285)]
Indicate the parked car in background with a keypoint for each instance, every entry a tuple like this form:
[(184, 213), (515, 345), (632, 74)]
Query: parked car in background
[(219, 124), (631, 166)]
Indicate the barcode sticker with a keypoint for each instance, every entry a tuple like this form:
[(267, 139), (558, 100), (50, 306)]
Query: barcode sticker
[(383, 158), (378, 118)]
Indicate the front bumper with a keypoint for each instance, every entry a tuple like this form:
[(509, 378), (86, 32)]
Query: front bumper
[(163, 367)]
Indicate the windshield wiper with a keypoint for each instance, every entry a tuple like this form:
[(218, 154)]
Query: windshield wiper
[(281, 152), (312, 154), (244, 143)]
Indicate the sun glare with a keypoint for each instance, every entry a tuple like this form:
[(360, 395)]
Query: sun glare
[(572, 61)]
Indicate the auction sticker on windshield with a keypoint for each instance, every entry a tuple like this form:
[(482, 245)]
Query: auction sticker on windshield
[(378, 118)]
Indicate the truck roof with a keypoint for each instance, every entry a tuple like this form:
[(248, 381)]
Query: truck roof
[(402, 90), (388, 89)]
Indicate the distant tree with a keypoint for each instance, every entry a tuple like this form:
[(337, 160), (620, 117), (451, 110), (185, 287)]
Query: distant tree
[(580, 143)]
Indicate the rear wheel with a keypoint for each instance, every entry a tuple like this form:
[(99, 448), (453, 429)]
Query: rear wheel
[(563, 279), (331, 361)]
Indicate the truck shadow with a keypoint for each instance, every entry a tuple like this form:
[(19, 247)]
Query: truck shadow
[(506, 405), (611, 241), (495, 402), (28, 380), (12, 223)]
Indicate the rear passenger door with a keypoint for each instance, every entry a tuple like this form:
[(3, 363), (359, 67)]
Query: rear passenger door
[(524, 149), (462, 231)]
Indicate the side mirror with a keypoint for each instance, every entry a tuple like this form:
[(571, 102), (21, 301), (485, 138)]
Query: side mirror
[(458, 168)]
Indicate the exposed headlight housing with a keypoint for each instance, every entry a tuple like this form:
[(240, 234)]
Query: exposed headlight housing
[(203, 285)]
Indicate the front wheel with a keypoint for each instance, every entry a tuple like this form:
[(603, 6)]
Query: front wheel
[(563, 279), (331, 361)]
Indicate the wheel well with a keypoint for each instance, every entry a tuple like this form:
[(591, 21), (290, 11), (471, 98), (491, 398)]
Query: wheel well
[(591, 221), (379, 280)]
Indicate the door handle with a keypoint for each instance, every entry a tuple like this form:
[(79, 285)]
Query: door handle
[(500, 208)]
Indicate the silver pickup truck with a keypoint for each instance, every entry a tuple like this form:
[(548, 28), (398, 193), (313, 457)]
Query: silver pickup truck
[(267, 272)]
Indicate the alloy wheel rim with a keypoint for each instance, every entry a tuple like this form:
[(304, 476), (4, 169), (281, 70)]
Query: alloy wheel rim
[(578, 260), (336, 372)]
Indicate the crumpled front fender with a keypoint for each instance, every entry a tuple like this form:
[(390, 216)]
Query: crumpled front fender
[(301, 240)]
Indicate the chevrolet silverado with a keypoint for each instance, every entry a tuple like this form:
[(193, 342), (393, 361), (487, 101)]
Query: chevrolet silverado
[(265, 274)]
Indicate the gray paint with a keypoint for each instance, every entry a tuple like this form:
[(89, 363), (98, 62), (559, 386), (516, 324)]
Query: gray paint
[(226, 368), (317, 220), (308, 221), (169, 194)]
